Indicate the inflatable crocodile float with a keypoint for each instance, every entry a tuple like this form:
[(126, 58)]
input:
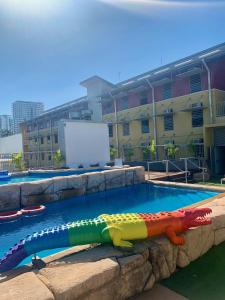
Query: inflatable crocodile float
[(119, 229)]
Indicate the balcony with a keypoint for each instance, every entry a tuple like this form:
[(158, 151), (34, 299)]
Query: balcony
[(220, 109)]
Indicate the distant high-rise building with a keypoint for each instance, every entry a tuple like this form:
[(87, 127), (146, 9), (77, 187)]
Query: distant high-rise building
[(5, 125), (24, 111)]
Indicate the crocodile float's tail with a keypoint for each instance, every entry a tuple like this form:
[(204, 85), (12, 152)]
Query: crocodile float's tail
[(71, 234)]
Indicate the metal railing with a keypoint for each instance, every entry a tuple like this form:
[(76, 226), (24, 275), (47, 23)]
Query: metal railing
[(6, 162), (186, 171), (148, 166), (167, 162), (188, 160)]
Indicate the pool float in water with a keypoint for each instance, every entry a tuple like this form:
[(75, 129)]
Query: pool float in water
[(4, 175), (10, 216), (33, 210), (118, 229)]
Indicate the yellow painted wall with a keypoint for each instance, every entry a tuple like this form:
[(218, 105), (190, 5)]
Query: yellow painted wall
[(183, 132)]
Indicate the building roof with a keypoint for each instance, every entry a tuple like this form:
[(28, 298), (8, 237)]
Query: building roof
[(158, 75), (93, 80), (30, 102), (64, 106)]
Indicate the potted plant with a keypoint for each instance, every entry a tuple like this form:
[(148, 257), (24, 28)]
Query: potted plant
[(129, 153), (191, 148), (58, 158), (18, 162), (171, 150), (152, 149), (149, 151), (113, 153)]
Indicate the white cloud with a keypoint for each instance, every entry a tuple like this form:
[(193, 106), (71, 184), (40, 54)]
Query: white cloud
[(163, 3), (33, 8)]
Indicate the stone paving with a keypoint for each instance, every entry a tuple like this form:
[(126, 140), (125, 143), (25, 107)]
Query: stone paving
[(159, 292)]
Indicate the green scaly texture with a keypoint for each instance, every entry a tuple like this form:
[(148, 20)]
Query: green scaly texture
[(89, 231)]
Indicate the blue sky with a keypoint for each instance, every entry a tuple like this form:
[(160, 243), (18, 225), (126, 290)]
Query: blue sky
[(48, 46)]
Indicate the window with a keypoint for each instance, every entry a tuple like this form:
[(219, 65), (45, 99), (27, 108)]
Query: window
[(124, 103), (108, 108), (197, 118), (56, 138), (168, 122), (49, 157), (167, 91), (48, 139), (145, 126), (143, 99), (126, 129), (31, 157), (42, 140), (35, 140), (42, 156), (110, 130), (195, 83)]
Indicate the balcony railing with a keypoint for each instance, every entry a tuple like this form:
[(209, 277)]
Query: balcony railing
[(220, 109)]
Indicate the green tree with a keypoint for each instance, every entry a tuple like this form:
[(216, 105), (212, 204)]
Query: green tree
[(149, 150), (128, 153), (171, 150), (113, 153), (191, 148), (146, 153), (58, 158), (152, 149), (18, 162)]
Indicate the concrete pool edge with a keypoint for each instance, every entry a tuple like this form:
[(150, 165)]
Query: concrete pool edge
[(17, 195), (220, 190), (188, 185), (109, 273)]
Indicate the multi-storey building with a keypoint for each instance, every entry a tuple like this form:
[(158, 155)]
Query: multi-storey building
[(24, 111), (5, 125), (41, 135), (182, 103)]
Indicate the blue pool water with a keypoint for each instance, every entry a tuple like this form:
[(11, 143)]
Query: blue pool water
[(144, 198), (40, 176)]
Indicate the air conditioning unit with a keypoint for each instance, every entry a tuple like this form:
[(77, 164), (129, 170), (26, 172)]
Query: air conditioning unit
[(197, 105), (168, 111)]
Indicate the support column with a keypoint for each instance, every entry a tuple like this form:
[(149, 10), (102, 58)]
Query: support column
[(209, 90), (154, 115)]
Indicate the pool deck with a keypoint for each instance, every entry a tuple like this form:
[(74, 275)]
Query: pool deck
[(163, 175), (111, 273), (159, 292)]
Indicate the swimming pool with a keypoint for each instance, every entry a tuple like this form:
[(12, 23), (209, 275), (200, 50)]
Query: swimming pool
[(39, 176), (137, 198)]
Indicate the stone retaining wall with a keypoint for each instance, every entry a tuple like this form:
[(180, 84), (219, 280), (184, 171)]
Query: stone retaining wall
[(13, 196), (105, 272)]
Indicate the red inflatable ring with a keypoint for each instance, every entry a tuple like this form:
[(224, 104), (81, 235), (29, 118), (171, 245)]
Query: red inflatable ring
[(10, 215), (33, 210)]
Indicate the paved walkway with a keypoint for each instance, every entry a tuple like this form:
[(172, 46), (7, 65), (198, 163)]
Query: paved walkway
[(163, 175), (159, 292)]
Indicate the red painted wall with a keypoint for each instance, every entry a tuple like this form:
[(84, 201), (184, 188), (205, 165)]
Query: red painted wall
[(218, 74), (181, 86)]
